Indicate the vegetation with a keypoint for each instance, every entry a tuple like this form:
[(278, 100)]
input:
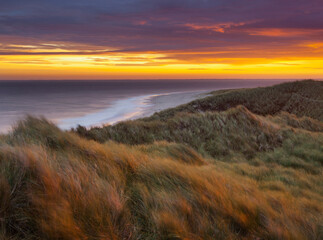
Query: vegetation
[(302, 98), (228, 122), (185, 173)]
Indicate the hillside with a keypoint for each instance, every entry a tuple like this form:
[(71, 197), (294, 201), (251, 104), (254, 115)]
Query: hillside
[(210, 169), (203, 125), (302, 98)]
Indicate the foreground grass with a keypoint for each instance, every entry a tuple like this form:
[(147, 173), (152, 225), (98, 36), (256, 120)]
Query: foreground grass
[(229, 174), (56, 185)]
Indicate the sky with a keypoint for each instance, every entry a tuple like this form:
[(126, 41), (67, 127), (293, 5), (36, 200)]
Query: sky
[(161, 39)]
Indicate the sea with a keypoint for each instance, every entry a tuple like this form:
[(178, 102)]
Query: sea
[(96, 102)]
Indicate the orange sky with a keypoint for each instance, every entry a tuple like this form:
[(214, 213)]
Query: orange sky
[(159, 65), (160, 40)]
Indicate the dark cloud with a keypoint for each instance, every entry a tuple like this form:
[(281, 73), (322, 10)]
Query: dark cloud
[(161, 25)]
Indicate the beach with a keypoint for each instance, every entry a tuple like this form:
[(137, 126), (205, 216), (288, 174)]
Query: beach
[(98, 103), (132, 108)]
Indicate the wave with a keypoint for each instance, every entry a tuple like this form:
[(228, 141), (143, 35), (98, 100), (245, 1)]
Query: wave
[(121, 110)]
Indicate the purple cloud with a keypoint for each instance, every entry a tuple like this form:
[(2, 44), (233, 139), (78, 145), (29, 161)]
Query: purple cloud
[(161, 25)]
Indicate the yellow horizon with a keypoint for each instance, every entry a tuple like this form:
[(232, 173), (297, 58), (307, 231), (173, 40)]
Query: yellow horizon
[(154, 65)]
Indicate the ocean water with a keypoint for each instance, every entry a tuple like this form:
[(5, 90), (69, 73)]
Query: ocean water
[(91, 103)]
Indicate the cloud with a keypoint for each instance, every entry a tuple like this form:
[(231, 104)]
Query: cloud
[(206, 29), (284, 32), (220, 27)]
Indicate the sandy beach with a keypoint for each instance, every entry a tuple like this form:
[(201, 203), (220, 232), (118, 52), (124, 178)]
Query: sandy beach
[(98, 103), (131, 108)]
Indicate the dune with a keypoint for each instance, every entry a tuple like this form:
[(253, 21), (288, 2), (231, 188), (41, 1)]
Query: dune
[(238, 164)]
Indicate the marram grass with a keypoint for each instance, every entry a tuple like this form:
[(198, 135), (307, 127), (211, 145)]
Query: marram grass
[(225, 174)]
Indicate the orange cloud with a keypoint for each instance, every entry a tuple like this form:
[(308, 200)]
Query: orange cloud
[(315, 45), (222, 27), (282, 32)]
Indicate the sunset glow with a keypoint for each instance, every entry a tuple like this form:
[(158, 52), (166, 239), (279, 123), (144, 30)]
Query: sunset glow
[(165, 39)]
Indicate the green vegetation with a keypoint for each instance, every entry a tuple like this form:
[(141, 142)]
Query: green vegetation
[(303, 98), (225, 123), (249, 170)]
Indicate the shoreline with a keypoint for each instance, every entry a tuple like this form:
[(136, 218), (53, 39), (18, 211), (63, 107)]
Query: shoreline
[(104, 103), (132, 108), (162, 102)]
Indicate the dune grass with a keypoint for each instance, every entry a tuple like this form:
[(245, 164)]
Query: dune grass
[(56, 185), (229, 174), (212, 134), (302, 98)]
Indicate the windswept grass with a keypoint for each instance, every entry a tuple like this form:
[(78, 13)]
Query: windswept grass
[(56, 185), (213, 134), (231, 174), (302, 98)]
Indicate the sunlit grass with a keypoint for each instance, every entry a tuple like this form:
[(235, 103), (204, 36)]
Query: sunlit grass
[(229, 174)]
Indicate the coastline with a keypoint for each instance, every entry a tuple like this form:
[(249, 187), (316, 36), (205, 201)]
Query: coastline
[(162, 102), (131, 109), (98, 103)]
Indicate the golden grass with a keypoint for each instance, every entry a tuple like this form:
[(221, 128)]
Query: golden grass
[(56, 185), (185, 173)]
